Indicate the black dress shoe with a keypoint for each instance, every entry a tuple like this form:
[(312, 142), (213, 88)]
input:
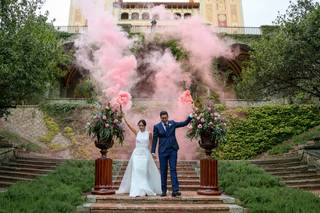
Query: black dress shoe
[(175, 194), (163, 195)]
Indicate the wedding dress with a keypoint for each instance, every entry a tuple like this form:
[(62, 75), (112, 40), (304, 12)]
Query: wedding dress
[(142, 176)]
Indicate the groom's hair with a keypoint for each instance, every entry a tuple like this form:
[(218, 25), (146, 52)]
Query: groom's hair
[(163, 113)]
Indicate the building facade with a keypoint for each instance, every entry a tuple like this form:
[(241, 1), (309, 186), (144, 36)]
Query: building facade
[(219, 13)]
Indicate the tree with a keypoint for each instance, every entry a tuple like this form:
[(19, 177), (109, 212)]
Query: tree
[(286, 62), (29, 54)]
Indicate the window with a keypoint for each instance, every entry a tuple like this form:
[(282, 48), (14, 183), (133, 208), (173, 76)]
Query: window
[(135, 16), (177, 16), (187, 15), (124, 15), (145, 16)]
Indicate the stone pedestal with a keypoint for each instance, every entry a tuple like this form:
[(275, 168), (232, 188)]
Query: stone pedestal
[(209, 177), (103, 177)]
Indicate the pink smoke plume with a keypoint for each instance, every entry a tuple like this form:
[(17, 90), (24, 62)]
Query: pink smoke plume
[(122, 100), (186, 97), (104, 51)]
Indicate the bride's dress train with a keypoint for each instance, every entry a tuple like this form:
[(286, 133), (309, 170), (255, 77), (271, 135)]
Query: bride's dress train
[(142, 176)]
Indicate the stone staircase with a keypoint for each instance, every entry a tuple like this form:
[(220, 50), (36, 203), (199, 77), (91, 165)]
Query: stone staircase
[(25, 169), (188, 202), (187, 176), (293, 172)]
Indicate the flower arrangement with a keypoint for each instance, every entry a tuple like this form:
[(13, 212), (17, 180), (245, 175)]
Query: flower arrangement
[(208, 122), (106, 125)]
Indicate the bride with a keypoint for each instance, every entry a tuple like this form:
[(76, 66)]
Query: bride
[(142, 177)]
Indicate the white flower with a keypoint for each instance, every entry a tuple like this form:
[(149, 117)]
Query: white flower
[(202, 120), (104, 117), (107, 125)]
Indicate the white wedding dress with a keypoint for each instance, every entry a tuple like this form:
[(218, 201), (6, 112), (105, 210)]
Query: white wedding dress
[(142, 176)]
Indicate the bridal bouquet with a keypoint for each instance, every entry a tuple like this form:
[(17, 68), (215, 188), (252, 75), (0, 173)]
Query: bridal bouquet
[(106, 125), (208, 122)]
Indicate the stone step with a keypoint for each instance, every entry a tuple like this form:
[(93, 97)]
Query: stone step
[(307, 186), (180, 177), (5, 183), (293, 168), (179, 163), (35, 166), (276, 161), (302, 182), (187, 168), (19, 174), (36, 162), (21, 169), (285, 172), (13, 179), (55, 160), (300, 176), (159, 208), (182, 173), (181, 187), (181, 182), (156, 199), (283, 165)]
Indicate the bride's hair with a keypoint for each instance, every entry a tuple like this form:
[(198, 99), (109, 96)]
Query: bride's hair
[(143, 122)]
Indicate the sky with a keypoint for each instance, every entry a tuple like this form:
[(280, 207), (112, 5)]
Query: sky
[(256, 12)]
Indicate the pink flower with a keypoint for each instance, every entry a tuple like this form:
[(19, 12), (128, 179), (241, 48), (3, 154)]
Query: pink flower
[(199, 126), (107, 125), (209, 108), (186, 97), (116, 121), (202, 120), (104, 117)]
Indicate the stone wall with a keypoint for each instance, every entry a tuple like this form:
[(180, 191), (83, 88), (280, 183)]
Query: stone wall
[(25, 121)]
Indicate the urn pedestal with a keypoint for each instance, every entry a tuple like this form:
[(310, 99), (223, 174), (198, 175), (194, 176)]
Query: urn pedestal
[(209, 177), (208, 168), (103, 171)]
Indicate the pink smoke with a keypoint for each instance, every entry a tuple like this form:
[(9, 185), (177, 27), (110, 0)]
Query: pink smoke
[(104, 51), (186, 97)]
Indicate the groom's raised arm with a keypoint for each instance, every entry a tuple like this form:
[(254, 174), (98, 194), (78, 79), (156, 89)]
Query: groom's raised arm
[(183, 123), (154, 140)]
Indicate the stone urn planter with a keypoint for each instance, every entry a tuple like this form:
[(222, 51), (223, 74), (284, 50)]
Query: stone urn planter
[(105, 127)]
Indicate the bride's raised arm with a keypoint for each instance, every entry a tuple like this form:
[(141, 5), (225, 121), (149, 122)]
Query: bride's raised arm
[(130, 127)]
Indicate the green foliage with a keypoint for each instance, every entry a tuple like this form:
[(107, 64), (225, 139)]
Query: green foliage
[(286, 62), (265, 127), (29, 54), (68, 131), (85, 89), (261, 192), (60, 191), (53, 129), (177, 51), (303, 138), (105, 125), (307, 136), (19, 141), (280, 149), (59, 110)]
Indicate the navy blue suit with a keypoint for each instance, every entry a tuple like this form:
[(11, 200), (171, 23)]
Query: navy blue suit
[(168, 148)]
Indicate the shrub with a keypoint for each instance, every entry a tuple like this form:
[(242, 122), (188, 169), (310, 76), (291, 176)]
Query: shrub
[(265, 127), (261, 192)]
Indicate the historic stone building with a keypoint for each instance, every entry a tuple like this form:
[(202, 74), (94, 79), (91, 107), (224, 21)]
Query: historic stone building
[(220, 13)]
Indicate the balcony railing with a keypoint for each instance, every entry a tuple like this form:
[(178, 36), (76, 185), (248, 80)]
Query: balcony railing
[(146, 28)]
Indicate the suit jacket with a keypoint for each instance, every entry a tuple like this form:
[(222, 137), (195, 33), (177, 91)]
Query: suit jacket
[(167, 138)]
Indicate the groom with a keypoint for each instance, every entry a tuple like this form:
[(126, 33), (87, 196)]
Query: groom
[(165, 132)]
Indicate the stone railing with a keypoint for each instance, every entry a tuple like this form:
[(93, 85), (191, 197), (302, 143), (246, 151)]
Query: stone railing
[(147, 28)]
